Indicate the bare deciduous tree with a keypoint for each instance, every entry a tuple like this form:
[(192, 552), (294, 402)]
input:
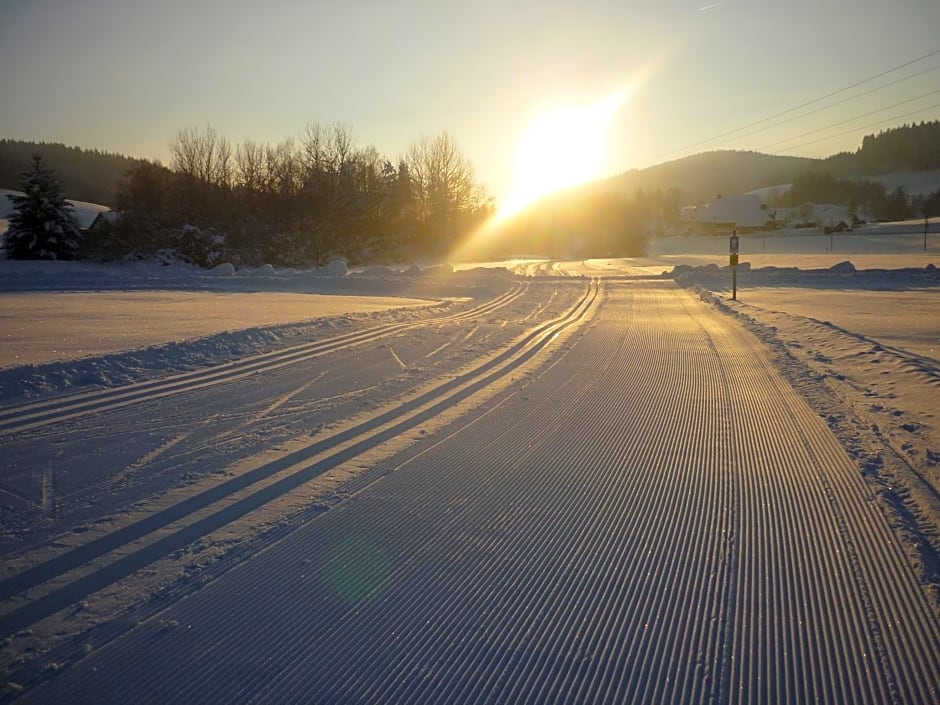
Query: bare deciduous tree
[(284, 168), (442, 179), (326, 149), (303, 201), (251, 166), (204, 156)]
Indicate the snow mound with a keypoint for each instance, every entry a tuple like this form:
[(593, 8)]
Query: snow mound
[(334, 268), (226, 269)]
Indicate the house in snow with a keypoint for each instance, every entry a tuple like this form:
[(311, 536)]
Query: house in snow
[(744, 213), (101, 237), (104, 221)]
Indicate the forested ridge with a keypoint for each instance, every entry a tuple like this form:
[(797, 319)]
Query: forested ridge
[(85, 174), (700, 177), (906, 148)]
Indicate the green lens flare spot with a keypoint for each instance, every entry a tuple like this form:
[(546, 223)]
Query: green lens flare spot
[(357, 569)]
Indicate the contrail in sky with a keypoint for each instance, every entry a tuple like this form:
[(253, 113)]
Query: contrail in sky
[(711, 7)]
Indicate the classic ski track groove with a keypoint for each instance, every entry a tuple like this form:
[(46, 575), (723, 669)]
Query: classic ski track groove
[(363, 437), (28, 416), (657, 518)]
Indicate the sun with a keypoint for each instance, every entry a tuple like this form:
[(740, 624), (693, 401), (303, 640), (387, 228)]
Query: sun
[(563, 148)]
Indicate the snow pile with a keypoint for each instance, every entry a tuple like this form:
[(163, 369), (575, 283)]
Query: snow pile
[(226, 269), (843, 275), (335, 268)]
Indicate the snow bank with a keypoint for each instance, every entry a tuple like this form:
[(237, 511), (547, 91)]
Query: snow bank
[(334, 278), (843, 275)]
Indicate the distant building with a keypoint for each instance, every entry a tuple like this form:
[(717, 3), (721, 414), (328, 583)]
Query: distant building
[(104, 220), (744, 213)]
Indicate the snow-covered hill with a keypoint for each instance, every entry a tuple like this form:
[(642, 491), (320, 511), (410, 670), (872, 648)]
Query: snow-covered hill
[(916, 183)]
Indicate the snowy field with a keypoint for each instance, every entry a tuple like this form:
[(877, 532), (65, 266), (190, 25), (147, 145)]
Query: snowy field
[(39, 328), (512, 480), (877, 245), (67, 325), (867, 313)]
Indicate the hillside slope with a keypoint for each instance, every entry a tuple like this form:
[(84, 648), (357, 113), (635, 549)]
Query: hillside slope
[(913, 149), (701, 177), (85, 175)]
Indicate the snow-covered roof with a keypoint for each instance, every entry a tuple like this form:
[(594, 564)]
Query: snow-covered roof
[(744, 211), (106, 217)]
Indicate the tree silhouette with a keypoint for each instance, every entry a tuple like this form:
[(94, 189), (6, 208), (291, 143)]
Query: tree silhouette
[(42, 224)]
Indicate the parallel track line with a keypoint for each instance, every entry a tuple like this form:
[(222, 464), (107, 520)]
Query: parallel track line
[(29, 416), (440, 399)]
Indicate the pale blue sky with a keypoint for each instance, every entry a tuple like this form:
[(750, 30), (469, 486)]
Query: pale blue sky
[(126, 75)]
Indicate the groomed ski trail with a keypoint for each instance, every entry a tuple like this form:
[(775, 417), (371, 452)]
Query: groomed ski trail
[(657, 518)]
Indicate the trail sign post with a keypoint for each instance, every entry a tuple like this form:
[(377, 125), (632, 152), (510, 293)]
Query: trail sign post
[(733, 260)]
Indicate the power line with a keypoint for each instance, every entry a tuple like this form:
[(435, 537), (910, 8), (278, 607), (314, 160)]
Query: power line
[(851, 119), (808, 103), (838, 102), (867, 127)]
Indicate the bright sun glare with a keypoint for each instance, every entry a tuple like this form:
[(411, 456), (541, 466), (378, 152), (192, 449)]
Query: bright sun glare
[(563, 148)]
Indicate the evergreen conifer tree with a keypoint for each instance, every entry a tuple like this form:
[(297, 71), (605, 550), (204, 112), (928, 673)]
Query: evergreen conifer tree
[(42, 224)]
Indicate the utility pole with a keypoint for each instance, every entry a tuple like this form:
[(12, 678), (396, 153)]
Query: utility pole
[(733, 260)]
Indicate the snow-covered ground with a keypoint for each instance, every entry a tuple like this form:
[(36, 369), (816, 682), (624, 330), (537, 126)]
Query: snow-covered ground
[(49, 327), (863, 346), (71, 325), (515, 425), (853, 320)]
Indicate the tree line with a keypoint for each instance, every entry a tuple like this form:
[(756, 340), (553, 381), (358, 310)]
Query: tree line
[(914, 147), (301, 202), (304, 200), (860, 195), (85, 174), (298, 202)]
